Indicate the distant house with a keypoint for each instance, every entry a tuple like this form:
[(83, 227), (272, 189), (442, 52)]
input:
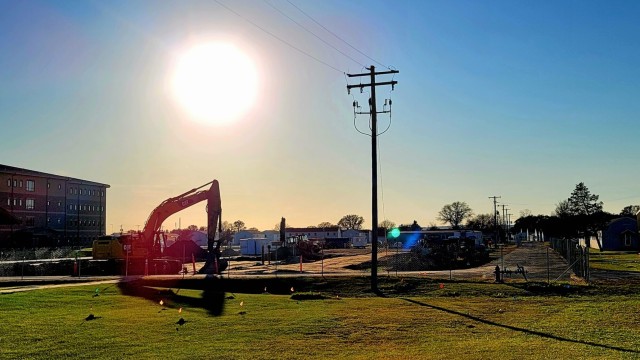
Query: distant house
[(620, 235), (313, 232)]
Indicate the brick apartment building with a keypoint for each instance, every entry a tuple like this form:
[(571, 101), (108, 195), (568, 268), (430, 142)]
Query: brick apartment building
[(52, 209)]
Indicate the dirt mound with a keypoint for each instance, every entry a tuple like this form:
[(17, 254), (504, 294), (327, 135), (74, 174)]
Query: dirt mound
[(187, 249)]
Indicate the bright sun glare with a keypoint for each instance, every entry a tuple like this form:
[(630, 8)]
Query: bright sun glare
[(215, 82)]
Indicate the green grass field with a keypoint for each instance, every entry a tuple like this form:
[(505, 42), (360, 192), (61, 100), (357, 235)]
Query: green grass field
[(417, 320), (614, 260)]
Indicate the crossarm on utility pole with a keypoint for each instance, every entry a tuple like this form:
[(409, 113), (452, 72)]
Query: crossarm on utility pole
[(392, 83)]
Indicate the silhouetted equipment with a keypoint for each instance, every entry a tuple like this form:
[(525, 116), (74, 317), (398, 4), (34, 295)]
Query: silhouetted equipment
[(145, 251)]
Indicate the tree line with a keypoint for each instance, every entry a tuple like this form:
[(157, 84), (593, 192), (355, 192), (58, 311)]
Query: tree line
[(580, 215)]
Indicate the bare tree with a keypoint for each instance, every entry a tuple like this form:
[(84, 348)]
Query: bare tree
[(386, 225), (455, 213), (351, 222), (525, 213), (238, 226), (326, 224)]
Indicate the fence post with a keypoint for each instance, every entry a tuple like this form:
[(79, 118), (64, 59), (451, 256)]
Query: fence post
[(588, 270), (548, 269)]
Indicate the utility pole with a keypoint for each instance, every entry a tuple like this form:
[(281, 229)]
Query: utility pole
[(504, 215), (495, 218), (374, 160), (506, 225)]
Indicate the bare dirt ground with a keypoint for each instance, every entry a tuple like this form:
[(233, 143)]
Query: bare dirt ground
[(532, 256), (540, 263)]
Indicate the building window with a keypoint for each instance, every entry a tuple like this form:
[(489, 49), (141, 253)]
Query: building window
[(59, 186), (71, 191), (627, 239), (30, 221), (48, 185), (59, 203), (9, 182), (48, 202), (31, 185), (19, 202), (59, 221), (30, 204), (48, 220), (70, 207), (20, 183), (15, 183)]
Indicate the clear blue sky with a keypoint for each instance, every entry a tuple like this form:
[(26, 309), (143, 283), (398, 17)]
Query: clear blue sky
[(517, 99)]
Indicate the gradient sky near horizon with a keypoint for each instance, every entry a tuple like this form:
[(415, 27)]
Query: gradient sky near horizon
[(519, 99)]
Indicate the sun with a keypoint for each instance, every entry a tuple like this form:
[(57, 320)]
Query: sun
[(215, 82)]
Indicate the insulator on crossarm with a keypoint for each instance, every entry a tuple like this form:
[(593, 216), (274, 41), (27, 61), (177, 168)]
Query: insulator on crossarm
[(354, 104)]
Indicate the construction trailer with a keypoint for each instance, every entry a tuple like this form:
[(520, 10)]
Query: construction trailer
[(257, 246)]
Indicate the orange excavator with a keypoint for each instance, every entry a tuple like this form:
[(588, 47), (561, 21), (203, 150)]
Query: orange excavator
[(145, 250)]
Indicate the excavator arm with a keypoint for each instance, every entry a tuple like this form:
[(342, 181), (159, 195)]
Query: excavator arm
[(151, 236)]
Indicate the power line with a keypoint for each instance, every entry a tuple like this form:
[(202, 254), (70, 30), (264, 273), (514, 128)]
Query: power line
[(278, 38), (338, 37), (312, 33)]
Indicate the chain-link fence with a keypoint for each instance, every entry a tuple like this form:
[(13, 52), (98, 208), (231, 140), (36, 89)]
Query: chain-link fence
[(438, 260), (39, 261), (577, 256), (393, 259)]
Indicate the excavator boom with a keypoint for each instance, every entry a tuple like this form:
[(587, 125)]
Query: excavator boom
[(149, 244), (151, 233)]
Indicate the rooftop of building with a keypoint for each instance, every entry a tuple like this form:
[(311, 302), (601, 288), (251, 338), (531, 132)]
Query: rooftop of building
[(26, 172)]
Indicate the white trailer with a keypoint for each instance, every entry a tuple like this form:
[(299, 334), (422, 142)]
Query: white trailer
[(359, 242), (254, 247)]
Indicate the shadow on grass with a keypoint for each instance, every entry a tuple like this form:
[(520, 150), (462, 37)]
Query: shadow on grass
[(212, 298), (213, 290), (515, 328)]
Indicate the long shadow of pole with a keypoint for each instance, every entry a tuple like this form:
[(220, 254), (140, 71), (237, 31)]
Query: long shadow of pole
[(515, 328)]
